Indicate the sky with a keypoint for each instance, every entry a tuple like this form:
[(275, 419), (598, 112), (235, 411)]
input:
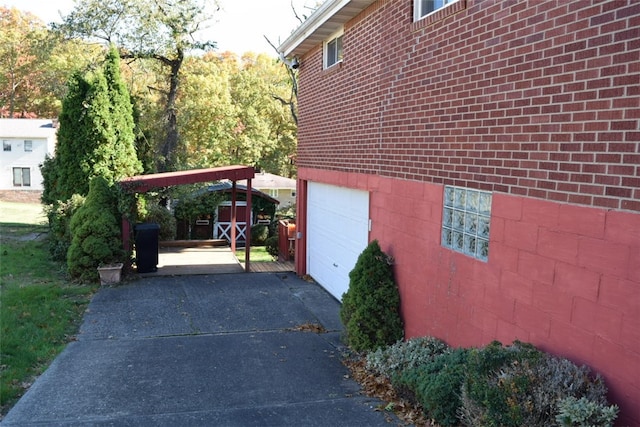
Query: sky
[(241, 24)]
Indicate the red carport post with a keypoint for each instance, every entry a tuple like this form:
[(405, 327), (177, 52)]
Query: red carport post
[(247, 237), (126, 236), (233, 217)]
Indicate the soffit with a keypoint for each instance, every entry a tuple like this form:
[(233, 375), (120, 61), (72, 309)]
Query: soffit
[(322, 24)]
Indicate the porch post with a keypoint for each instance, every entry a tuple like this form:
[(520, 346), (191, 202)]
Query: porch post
[(233, 217), (247, 233)]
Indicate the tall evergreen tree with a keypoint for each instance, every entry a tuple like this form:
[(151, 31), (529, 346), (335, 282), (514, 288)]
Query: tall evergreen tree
[(124, 159), (96, 135), (66, 165)]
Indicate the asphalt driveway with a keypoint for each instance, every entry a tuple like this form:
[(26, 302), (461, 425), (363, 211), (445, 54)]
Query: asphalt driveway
[(210, 350)]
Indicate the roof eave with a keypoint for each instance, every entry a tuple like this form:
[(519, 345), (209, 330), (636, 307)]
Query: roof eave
[(324, 22)]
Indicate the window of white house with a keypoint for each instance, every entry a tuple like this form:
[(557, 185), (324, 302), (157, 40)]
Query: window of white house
[(28, 146), (333, 50), (466, 221), (21, 177), (273, 192), (423, 8), (6, 145)]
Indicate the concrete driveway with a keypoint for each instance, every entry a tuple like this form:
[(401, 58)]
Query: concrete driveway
[(208, 350)]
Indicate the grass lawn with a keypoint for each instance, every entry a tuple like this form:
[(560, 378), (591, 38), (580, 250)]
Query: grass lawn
[(40, 311), (21, 213), (257, 254)]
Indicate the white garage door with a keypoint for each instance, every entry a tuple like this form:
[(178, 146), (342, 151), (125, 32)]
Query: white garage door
[(337, 233)]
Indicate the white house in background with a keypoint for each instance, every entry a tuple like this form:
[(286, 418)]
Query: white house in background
[(281, 188), (25, 143)]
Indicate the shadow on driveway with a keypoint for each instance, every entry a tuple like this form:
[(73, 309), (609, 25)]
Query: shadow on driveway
[(209, 350)]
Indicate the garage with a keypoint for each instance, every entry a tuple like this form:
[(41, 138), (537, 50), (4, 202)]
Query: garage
[(337, 232)]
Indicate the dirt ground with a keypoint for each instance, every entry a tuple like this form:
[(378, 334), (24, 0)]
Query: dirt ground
[(18, 196)]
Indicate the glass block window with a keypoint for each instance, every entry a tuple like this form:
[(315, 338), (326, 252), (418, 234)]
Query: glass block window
[(466, 221)]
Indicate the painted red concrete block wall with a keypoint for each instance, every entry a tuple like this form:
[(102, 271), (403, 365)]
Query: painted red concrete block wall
[(537, 288)]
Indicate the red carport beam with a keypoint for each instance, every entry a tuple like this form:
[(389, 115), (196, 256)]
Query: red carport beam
[(144, 183)]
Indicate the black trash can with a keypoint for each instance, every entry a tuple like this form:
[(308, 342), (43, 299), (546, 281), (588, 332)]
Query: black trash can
[(146, 236)]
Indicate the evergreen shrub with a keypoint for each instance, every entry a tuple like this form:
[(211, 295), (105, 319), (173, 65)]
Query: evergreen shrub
[(516, 385), (499, 395), (271, 246), (259, 234), (583, 412), (370, 308), (519, 385), (405, 355), (96, 234), (59, 215), (437, 383)]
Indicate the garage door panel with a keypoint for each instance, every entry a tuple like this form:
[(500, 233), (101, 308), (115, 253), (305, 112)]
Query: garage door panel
[(338, 231)]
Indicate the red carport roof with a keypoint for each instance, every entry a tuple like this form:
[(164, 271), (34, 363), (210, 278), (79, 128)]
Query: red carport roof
[(143, 183)]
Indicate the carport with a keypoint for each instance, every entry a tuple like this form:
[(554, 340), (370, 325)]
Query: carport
[(145, 183)]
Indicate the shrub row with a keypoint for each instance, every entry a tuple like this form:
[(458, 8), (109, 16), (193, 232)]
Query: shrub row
[(495, 385)]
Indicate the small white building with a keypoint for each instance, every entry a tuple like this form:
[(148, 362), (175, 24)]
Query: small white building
[(25, 143)]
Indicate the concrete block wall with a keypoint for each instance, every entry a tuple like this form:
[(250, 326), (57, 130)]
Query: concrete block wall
[(565, 278)]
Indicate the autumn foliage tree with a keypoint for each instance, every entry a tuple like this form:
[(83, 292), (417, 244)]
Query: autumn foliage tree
[(35, 65), (22, 36), (229, 115)]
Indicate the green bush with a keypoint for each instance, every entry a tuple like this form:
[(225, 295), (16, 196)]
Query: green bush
[(437, 384), (95, 228), (497, 396), (259, 234), (271, 246), (519, 385), (59, 215), (370, 308), (405, 355), (497, 385), (161, 216), (583, 412)]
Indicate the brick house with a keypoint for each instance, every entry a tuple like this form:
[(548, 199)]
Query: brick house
[(492, 147)]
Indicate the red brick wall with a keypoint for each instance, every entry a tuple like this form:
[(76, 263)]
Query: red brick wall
[(537, 101), (534, 98), (563, 277)]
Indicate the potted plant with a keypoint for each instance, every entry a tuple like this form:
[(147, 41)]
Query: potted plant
[(110, 273)]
